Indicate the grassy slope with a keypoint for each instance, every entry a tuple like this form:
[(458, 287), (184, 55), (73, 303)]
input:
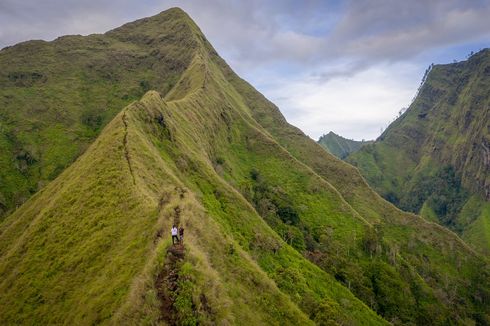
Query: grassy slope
[(426, 250), (235, 156), (339, 146), (475, 216), (446, 126), (85, 247), (55, 97), (87, 251)]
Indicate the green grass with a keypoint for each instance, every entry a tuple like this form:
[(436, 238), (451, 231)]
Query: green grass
[(428, 213), (340, 146), (277, 230), (445, 127), (475, 216), (57, 96)]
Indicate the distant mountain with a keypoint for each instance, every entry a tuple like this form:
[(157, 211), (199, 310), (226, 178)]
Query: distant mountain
[(340, 146), (121, 135), (435, 158)]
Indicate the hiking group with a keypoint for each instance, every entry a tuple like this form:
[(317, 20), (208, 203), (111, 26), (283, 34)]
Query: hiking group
[(177, 234)]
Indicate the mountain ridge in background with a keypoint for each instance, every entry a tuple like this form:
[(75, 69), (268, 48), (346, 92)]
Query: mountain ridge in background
[(277, 230), (339, 146), (434, 159)]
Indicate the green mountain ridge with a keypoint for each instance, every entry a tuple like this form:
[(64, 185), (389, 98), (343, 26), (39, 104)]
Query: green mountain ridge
[(56, 96), (433, 160), (277, 230), (339, 146)]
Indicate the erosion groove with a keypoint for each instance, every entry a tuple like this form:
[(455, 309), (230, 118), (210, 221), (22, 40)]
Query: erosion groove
[(167, 284), (126, 149), (167, 281)]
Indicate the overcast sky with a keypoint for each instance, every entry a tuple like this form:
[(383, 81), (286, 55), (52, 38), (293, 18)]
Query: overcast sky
[(342, 66)]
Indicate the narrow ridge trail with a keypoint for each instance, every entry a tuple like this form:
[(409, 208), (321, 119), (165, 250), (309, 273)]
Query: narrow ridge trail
[(167, 281)]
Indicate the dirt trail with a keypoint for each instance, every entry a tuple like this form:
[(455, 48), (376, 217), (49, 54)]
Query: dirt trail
[(167, 282)]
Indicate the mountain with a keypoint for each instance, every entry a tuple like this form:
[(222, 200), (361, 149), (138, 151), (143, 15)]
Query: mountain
[(339, 146), (435, 158), (276, 229), (57, 96)]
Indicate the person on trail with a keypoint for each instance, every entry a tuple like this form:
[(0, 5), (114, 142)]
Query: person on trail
[(174, 235), (181, 234)]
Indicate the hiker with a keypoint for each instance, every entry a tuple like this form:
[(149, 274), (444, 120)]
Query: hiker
[(181, 234), (174, 235)]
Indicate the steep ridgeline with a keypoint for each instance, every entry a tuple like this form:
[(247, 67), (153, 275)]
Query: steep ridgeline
[(339, 146), (278, 231), (435, 159), (55, 97)]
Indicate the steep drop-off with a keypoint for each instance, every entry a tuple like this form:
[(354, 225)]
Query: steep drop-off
[(435, 159), (277, 229)]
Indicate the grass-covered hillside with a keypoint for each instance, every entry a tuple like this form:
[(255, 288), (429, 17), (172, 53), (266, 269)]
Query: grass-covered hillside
[(339, 146), (278, 231), (55, 97), (434, 159)]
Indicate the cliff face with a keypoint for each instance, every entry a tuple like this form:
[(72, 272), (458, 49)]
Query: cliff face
[(435, 157)]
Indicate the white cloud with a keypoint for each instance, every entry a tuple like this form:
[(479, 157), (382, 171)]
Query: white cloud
[(346, 66), (354, 106)]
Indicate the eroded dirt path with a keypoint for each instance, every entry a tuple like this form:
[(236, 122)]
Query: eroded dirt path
[(167, 281)]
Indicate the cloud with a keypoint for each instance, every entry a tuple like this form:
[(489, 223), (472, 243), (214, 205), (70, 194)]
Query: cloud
[(376, 30), (357, 106), (347, 66), (25, 20)]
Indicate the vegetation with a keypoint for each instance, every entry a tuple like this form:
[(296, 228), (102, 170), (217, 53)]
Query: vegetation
[(340, 146), (57, 96), (277, 230), (434, 158)]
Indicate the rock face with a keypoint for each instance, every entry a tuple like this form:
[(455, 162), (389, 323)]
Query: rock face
[(435, 157), (276, 229)]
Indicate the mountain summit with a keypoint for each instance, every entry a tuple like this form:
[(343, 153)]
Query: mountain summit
[(146, 127)]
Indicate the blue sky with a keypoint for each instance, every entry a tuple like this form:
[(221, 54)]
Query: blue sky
[(345, 66)]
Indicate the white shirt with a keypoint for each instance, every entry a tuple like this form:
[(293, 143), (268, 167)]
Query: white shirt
[(174, 231)]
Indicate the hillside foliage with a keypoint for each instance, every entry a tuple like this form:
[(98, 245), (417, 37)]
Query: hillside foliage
[(434, 159)]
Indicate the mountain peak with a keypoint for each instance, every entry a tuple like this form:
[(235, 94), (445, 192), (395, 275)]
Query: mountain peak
[(169, 25)]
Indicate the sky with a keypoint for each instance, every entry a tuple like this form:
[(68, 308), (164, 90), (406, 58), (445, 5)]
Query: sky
[(342, 66)]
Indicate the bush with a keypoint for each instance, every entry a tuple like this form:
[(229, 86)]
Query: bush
[(326, 313), (145, 85), (288, 215), (92, 119)]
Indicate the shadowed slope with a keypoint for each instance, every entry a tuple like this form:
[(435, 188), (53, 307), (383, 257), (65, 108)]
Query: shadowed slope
[(428, 252), (434, 159)]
